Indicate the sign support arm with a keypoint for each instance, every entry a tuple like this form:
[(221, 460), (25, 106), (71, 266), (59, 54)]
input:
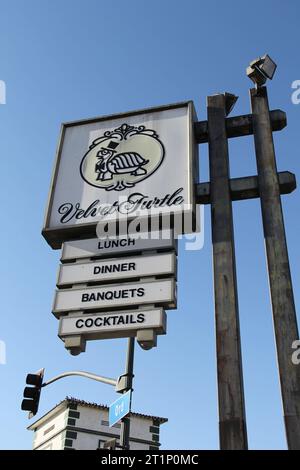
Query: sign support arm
[(88, 375)]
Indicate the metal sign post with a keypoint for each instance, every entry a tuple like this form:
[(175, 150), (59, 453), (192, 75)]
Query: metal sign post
[(125, 425)]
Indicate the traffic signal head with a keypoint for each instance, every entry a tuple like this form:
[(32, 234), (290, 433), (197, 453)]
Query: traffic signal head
[(32, 394), (35, 379)]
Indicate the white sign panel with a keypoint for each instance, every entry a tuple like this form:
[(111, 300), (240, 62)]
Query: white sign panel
[(78, 249), (123, 165), (117, 269), (116, 295), (114, 324)]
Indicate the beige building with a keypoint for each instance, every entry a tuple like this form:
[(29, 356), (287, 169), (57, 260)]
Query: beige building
[(78, 425)]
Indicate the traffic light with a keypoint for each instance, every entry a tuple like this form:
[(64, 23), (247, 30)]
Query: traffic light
[(32, 394)]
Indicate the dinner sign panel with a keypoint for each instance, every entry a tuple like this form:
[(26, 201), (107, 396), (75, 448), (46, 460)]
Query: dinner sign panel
[(116, 269)]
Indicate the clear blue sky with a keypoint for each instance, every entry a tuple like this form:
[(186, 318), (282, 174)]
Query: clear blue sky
[(72, 59)]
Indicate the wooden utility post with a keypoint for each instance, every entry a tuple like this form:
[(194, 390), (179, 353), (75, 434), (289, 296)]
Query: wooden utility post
[(284, 313), (232, 425), (220, 191)]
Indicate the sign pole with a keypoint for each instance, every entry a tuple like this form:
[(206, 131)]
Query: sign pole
[(125, 424), (283, 306), (232, 416)]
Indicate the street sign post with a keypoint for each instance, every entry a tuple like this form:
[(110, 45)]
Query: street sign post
[(122, 186), (120, 408)]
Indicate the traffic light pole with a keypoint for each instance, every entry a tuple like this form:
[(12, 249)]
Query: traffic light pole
[(122, 385), (125, 424), (32, 394), (88, 375), (127, 379)]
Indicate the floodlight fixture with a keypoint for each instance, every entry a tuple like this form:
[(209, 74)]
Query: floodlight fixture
[(261, 69)]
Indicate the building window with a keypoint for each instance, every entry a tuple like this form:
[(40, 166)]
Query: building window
[(71, 435), (68, 443), (49, 429), (72, 406), (71, 421), (154, 429), (74, 414), (100, 444), (155, 437), (153, 448)]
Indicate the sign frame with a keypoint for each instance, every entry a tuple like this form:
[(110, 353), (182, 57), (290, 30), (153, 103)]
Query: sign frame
[(55, 236)]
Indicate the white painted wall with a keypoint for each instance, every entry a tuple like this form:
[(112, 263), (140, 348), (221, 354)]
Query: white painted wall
[(58, 421), (90, 419)]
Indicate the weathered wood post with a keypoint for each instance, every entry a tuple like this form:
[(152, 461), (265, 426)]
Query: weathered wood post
[(232, 419), (284, 314)]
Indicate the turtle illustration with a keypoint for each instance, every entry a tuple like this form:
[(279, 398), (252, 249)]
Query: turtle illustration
[(112, 163), (121, 158)]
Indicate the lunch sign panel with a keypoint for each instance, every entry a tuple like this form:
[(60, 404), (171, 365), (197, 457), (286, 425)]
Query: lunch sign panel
[(161, 292), (113, 324), (95, 247), (117, 268), (136, 164)]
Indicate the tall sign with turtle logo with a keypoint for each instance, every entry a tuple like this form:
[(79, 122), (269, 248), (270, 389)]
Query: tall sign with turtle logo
[(121, 158)]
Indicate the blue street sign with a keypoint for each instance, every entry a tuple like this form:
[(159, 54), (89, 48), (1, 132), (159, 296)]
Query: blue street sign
[(119, 408)]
